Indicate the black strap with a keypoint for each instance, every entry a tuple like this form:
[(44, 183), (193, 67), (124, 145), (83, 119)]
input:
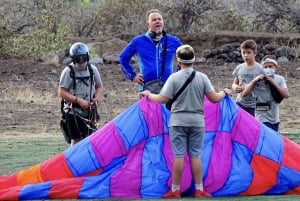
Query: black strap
[(91, 77), (72, 75), (164, 56), (275, 93), (183, 86)]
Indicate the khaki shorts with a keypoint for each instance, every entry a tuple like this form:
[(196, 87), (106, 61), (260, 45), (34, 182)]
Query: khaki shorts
[(186, 138)]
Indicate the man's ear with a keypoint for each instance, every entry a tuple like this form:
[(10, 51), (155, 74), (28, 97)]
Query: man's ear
[(179, 64)]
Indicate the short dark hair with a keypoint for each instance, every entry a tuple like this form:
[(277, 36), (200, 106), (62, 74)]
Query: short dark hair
[(249, 44), (152, 11)]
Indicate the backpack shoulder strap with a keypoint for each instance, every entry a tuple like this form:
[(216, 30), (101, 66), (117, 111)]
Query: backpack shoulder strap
[(90, 69), (72, 72), (91, 78), (91, 73), (164, 56), (184, 86), (72, 75)]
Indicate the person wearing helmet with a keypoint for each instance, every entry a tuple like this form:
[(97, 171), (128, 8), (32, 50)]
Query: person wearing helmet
[(80, 87)]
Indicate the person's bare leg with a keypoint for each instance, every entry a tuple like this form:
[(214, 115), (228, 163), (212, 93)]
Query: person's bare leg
[(74, 141), (177, 170), (197, 175), (196, 170), (174, 192)]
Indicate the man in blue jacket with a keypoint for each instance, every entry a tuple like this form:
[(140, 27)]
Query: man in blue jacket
[(155, 50)]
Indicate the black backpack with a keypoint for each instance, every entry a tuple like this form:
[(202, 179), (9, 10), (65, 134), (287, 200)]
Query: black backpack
[(63, 122), (275, 94)]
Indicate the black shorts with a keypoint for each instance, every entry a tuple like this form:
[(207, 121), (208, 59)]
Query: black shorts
[(247, 109), (77, 127)]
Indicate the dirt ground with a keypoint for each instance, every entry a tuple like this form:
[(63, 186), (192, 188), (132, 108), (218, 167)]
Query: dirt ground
[(29, 102)]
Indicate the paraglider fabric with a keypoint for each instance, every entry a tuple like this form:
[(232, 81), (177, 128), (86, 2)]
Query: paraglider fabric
[(130, 157)]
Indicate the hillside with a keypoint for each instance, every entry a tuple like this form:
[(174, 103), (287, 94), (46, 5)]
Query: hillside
[(29, 102)]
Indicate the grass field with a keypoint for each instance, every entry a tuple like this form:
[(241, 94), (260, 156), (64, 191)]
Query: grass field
[(20, 151)]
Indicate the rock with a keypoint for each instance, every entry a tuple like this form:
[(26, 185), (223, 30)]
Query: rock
[(66, 61), (230, 53), (54, 72), (282, 59), (111, 59), (97, 60)]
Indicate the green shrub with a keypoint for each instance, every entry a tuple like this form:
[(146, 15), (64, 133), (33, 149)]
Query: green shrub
[(35, 44), (48, 37)]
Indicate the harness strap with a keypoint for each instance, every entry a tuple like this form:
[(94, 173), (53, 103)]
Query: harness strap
[(82, 79)]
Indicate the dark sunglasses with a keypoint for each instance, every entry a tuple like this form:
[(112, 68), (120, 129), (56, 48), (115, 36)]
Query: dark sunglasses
[(80, 58)]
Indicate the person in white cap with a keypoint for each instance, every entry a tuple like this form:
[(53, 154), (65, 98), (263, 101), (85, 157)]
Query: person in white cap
[(186, 125), (267, 110)]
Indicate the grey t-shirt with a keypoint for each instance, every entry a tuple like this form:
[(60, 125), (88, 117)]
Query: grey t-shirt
[(83, 87), (187, 110), (246, 75), (263, 94)]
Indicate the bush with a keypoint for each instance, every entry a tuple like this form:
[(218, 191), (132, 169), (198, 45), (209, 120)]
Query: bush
[(35, 44)]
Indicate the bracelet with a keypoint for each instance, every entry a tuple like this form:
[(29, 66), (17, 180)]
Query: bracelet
[(75, 100), (225, 92)]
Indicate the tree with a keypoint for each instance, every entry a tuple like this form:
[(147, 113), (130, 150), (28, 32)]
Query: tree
[(187, 14), (276, 15)]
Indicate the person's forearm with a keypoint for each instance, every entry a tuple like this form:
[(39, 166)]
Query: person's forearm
[(66, 95), (233, 86), (249, 87), (98, 93), (125, 58), (155, 97)]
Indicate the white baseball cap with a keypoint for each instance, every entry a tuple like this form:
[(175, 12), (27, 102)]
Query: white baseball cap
[(268, 60)]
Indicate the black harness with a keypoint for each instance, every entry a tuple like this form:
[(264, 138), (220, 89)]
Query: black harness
[(94, 113), (83, 79)]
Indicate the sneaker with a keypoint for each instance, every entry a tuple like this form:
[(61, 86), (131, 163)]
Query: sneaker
[(201, 194), (170, 194)]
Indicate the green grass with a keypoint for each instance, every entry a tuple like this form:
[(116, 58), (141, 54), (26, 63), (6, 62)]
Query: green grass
[(292, 135), (21, 151)]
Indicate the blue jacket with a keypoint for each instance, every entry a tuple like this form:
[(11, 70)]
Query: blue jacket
[(150, 57)]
